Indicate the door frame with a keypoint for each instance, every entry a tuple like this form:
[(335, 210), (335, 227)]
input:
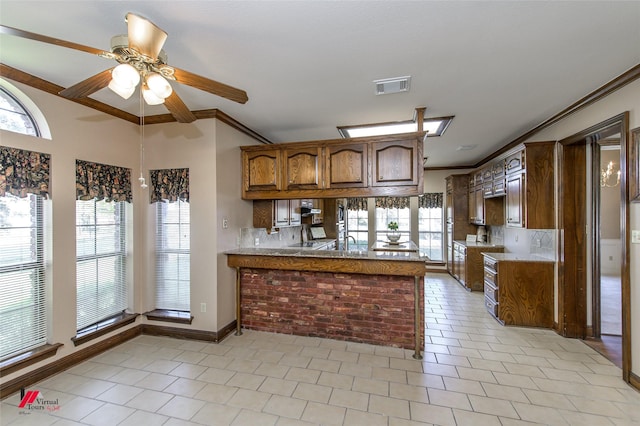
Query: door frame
[(596, 276), (572, 303)]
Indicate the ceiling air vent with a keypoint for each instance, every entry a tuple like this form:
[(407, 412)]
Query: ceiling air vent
[(387, 86)]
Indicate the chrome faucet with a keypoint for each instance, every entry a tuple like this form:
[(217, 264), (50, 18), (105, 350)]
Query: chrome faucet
[(346, 241)]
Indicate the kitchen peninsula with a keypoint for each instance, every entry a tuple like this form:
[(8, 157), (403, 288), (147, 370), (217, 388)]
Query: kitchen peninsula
[(359, 296)]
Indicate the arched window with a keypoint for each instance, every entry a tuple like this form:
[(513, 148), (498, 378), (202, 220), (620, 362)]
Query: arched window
[(14, 117)]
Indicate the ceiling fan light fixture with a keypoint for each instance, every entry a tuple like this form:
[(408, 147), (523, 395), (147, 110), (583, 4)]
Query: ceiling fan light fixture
[(158, 85), (123, 92), (151, 98), (126, 76)]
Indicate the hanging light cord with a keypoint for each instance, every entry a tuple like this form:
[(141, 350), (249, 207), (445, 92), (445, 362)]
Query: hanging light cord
[(141, 179)]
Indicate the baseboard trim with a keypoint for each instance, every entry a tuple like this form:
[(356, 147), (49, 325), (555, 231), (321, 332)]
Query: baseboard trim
[(187, 333), (66, 362), (39, 374), (634, 381)]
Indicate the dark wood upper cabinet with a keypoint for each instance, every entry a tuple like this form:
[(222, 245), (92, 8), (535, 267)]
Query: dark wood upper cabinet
[(347, 165), (352, 167), (261, 170), (395, 163), (530, 199), (515, 200), (303, 168)]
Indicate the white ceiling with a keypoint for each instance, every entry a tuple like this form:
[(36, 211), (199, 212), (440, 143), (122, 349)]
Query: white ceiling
[(500, 67)]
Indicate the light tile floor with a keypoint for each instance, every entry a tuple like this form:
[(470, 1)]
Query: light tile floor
[(474, 372)]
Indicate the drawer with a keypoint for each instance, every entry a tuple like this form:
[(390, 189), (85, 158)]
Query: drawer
[(487, 190), (490, 264), (491, 306), (499, 187), (491, 292), (490, 276)]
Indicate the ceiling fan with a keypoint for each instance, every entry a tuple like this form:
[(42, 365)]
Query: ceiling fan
[(141, 60)]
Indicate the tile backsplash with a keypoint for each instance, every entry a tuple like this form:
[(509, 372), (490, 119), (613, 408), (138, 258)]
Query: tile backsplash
[(282, 238), (541, 242)]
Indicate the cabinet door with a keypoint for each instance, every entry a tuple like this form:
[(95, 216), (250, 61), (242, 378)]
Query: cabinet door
[(479, 206), (346, 166), (295, 216), (395, 163), (476, 205), (462, 273), (280, 213), (515, 200), (303, 168), (261, 170)]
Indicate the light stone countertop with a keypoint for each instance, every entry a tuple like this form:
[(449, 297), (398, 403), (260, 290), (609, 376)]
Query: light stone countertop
[(514, 257), (477, 244), (330, 254)]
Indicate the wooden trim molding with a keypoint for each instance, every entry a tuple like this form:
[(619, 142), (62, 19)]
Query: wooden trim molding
[(53, 89), (90, 333), (167, 315), (634, 165), (23, 360), (591, 98), (188, 333), (66, 362), (39, 374), (634, 381)]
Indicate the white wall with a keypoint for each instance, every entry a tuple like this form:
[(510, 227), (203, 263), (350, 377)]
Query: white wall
[(76, 133), (625, 99), (207, 147), (239, 213)]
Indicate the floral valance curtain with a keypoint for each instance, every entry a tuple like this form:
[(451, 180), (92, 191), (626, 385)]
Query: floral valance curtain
[(103, 182), (357, 203), (392, 202), (431, 200), (24, 172), (169, 185)]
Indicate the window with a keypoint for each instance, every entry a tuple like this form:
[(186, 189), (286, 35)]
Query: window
[(22, 275), (101, 283), (173, 256), (430, 230), (14, 117), (393, 209), (357, 224)]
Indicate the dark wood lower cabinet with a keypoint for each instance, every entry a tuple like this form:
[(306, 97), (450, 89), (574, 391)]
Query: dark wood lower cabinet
[(519, 292)]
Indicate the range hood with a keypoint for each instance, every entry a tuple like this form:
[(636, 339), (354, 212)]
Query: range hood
[(308, 211)]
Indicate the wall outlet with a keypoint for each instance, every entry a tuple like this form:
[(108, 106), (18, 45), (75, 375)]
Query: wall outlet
[(538, 242), (635, 236), (225, 223), (256, 241), (203, 307)]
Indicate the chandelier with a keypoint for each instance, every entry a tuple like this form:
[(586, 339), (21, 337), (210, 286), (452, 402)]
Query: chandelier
[(609, 177)]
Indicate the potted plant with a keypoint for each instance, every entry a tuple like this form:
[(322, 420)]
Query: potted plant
[(394, 236)]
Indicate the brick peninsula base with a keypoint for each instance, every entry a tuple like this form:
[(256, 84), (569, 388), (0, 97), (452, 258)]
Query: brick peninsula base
[(358, 300)]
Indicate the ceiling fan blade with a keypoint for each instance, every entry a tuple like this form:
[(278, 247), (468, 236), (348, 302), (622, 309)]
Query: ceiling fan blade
[(144, 36), (50, 40), (88, 86), (178, 109), (211, 86)]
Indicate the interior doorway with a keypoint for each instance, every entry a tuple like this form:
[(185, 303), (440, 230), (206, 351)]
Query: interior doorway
[(580, 291), (606, 318)]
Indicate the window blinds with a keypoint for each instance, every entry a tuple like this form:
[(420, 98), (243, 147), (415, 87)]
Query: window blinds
[(101, 284), (173, 256), (22, 279)]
